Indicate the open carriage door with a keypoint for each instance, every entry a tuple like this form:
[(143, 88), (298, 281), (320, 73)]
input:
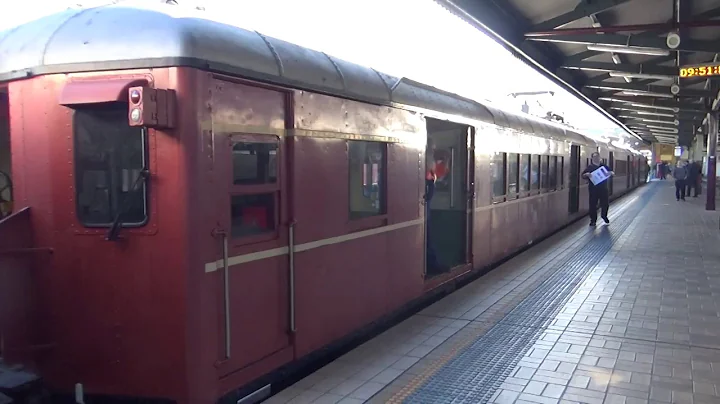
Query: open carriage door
[(574, 202), (470, 187), (611, 164)]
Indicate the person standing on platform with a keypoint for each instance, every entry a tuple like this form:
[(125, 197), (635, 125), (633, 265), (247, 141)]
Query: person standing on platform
[(693, 171), (598, 192), (430, 179), (680, 174)]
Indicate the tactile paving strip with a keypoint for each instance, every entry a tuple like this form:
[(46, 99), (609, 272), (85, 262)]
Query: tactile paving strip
[(475, 374)]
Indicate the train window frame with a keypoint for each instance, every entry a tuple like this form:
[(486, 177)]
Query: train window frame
[(552, 174), (120, 109), (525, 188), (502, 176), (508, 172), (535, 163), (544, 169), (256, 190), (380, 218)]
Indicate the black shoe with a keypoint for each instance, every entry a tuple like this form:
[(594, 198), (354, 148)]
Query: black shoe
[(607, 221), (592, 223)]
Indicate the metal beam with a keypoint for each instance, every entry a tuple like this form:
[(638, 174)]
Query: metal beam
[(648, 111), (645, 68), (489, 18), (682, 105), (712, 13), (687, 45), (693, 119), (623, 28), (585, 8), (684, 92)]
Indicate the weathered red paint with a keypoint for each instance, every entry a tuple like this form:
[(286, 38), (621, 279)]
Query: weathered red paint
[(97, 90), (20, 262), (142, 317)]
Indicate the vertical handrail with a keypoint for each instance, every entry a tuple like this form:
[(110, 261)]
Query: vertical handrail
[(452, 177), (226, 279), (291, 258)]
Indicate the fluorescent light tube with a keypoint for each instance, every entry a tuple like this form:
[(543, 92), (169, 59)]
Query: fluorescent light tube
[(632, 50)]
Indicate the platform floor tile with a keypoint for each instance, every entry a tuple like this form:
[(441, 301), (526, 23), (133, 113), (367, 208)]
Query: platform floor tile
[(625, 313)]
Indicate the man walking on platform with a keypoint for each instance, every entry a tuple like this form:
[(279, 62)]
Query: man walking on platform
[(598, 191), (680, 174)]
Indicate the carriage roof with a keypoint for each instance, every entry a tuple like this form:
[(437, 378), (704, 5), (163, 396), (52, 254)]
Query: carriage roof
[(123, 36)]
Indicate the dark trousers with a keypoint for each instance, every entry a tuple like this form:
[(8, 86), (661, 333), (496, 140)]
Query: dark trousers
[(599, 196), (692, 184), (432, 261), (679, 189)]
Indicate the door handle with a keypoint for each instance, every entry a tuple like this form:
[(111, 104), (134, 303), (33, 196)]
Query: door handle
[(291, 273), (222, 233)]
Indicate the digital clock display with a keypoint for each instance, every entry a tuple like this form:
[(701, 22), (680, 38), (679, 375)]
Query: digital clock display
[(700, 71)]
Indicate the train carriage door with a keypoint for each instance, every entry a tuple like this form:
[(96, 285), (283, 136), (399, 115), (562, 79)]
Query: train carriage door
[(629, 173), (470, 194), (6, 196), (574, 202), (611, 164), (252, 268), (448, 222)]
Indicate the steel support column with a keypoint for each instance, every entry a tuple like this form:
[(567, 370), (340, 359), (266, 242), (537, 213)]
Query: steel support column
[(711, 159)]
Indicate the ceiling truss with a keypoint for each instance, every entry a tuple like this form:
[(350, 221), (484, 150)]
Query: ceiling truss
[(619, 65)]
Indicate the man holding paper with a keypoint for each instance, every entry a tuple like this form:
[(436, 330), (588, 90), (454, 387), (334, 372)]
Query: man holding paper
[(598, 175)]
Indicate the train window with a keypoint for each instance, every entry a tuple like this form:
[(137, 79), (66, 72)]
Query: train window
[(255, 189), (110, 163), (498, 174), (367, 173), (252, 214), (535, 175), (513, 173), (525, 172), (552, 173), (255, 162), (544, 164), (561, 172)]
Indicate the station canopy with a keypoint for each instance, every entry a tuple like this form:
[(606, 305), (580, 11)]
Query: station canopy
[(649, 65)]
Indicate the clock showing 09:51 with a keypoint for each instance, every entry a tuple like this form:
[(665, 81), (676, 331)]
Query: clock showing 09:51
[(700, 71)]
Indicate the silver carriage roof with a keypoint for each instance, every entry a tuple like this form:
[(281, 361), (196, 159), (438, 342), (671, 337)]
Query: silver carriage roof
[(124, 36)]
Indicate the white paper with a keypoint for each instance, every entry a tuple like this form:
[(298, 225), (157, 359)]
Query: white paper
[(599, 175)]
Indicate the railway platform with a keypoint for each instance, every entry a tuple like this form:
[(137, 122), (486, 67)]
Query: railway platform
[(622, 313)]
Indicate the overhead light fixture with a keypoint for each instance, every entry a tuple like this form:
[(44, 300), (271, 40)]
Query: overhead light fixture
[(641, 76), (646, 94), (610, 99), (663, 129), (640, 118), (632, 50), (640, 105), (639, 112), (653, 128)]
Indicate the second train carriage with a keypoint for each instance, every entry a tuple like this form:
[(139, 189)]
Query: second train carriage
[(203, 205)]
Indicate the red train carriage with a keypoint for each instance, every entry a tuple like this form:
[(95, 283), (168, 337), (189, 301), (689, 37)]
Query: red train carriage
[(197, 206)]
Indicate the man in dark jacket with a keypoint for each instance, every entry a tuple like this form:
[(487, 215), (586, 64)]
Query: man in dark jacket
[(680, 173), (693, 169), (598, 192)]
